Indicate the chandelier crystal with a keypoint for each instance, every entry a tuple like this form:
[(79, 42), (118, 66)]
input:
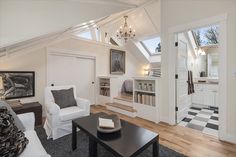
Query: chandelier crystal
[(125, 32)]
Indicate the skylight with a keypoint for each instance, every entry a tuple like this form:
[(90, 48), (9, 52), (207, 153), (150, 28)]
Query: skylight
[(206, 36), (153, 45), (86, 35)]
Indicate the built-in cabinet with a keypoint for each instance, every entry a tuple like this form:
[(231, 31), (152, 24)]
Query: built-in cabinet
[(205, 94), (107, 89), (146, 97)]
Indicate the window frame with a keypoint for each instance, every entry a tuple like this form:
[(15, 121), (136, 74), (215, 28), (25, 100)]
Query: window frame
[(145, 47), (197, 43)]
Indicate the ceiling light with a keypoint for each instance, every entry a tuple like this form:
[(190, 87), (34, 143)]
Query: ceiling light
[(125, 32)]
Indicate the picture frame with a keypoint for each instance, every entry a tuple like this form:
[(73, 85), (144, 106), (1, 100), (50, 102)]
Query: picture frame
[(117, 62), (18, 84)]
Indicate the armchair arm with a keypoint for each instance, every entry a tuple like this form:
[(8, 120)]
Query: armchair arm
[(84, 104), (52, 108), (28, 120)]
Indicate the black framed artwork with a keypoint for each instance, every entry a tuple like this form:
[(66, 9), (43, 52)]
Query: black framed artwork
[(117, 62), (18, 84)]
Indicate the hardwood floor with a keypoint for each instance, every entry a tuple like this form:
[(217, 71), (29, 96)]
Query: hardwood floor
[(181, 139)]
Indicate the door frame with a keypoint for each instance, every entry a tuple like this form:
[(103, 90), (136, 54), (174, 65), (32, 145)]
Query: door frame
[(71, 53), (176, 70), (221, 20)]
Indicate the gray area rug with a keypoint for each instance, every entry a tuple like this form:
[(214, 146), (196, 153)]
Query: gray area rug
[(62, 147)]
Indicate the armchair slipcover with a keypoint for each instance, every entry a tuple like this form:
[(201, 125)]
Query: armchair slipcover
[(59, 121)]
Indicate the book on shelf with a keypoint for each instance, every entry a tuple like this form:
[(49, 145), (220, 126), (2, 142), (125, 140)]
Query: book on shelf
[(145, 99)]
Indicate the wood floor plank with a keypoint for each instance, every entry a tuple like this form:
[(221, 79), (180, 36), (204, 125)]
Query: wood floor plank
[(187, 141)]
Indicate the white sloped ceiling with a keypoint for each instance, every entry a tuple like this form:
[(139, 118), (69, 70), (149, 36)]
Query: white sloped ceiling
[(21, 20)]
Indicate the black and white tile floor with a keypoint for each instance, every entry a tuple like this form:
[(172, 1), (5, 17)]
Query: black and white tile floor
[(202, 119)]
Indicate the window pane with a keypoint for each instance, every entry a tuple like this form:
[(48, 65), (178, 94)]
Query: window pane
[(153, 45), (86, 35), (207, 35)]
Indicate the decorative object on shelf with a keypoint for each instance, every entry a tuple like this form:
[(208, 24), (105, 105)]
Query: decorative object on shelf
[(126, 32), (152, 72), (18, 84), (117, 62), (105, 121)]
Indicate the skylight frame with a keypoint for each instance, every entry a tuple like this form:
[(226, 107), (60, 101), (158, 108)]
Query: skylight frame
[(147, 49), (205, 45)]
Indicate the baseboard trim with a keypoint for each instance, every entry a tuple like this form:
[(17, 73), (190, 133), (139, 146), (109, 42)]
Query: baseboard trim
[(164, 119), (229, 138)]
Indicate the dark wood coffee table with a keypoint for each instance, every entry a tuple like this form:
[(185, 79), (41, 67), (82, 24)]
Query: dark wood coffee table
[(130, 141)]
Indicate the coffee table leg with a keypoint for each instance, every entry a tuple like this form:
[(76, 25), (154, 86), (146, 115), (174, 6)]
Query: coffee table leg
[(74, 136), (92, 148), (155, 148)]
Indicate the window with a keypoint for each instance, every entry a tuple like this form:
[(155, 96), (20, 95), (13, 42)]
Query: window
[(206, 36), (113, 42), (86, 35), (97, 33), (153, 45)]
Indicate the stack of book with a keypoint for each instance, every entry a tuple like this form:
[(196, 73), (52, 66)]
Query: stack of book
[(156, 72), (106, 123)]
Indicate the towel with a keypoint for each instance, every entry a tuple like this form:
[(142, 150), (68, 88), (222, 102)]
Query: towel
[(190, 83)]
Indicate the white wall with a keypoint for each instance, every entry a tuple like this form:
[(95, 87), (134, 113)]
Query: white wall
[(179, 12), (25, 19), (35, 60)]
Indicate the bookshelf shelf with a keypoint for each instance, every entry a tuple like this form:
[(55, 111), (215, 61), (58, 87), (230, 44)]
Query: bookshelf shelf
[(146, 98), (106, 89), (104, 86)]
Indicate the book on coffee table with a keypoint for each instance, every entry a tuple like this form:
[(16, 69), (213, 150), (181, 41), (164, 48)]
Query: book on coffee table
[(106, 123)]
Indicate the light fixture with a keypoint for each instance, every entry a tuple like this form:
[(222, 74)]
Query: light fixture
[(126, 32)]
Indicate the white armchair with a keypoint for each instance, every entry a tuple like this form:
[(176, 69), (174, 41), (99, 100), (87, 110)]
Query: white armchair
[(58, 121)]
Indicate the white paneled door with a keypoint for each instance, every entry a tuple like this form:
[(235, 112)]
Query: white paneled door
[(183, 100), (73, 70)]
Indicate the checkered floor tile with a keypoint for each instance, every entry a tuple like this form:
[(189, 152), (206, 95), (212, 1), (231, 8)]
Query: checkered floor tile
[(202, 119)]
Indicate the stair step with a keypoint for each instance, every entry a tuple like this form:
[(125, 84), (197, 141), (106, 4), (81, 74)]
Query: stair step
[(124, 98), (121, 106)]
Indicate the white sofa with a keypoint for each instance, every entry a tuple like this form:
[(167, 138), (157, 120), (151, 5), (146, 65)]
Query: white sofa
[(59, 121), (34, 148)]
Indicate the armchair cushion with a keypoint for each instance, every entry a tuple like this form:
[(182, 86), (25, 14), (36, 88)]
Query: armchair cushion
[(64, 98), (70, 113), (52, 108)]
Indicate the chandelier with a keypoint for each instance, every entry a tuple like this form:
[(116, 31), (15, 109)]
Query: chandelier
[(125, 31)]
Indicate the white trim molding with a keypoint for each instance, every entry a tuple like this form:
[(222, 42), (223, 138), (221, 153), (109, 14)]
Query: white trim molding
[(222, 21)]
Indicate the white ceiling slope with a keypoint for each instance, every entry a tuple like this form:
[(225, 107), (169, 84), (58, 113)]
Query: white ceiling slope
[(27, 19), (144, 19)]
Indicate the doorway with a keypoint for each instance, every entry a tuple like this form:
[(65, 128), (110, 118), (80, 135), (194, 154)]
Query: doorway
[(222, 95), (72, 69), (197, 81)]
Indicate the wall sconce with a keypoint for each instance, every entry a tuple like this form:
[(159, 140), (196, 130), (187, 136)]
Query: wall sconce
[(146, 72)]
